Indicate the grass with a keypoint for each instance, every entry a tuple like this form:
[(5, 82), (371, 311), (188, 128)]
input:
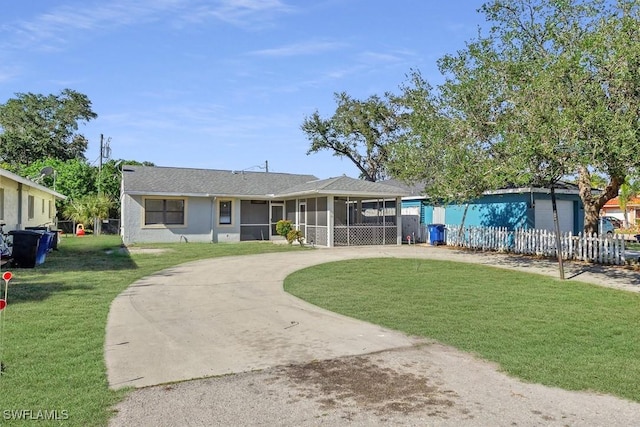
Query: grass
[(53, 329), (632, 246), (566, 334)]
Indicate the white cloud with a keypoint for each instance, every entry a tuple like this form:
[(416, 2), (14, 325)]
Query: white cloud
[(53, 29), (248, 14), (8, 73), (303, 48)]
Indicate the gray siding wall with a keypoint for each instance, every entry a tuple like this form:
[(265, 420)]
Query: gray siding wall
[(199, 217)]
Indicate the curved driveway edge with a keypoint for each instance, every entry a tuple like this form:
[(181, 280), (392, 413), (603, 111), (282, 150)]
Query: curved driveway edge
[(230, 315)]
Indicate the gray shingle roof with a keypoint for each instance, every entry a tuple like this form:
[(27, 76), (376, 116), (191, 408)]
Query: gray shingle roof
[(186, 181), (416, 189), (344, 185), (152, 180)]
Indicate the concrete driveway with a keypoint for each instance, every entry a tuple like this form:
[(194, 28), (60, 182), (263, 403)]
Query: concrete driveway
[(231, 315)]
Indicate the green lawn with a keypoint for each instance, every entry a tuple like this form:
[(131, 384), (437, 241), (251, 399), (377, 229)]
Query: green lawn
[(52, 340), (566, 334), (633, 246)]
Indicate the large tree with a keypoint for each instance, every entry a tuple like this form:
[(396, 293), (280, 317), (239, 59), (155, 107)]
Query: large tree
[(552, 91), (36, 127), (80, 181), (358, 130), (74, 178)]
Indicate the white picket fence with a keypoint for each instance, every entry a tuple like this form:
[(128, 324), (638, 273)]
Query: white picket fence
[(582, 247)]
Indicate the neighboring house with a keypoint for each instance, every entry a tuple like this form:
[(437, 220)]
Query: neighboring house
[(512, 208), (165, 204), (612, 208), (24, 203)]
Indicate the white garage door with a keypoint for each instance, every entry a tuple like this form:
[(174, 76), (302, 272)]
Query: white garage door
[(544, 215)]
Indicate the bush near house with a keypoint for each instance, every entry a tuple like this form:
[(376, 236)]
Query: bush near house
[(284, 228)]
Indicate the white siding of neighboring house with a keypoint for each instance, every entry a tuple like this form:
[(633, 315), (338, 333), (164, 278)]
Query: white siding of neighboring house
[(11, 195), (10, 214), (439, 215)]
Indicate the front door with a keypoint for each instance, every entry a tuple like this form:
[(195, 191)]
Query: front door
[(277, 214)]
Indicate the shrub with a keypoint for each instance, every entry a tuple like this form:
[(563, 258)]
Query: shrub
[(283, 227), (295, 235)]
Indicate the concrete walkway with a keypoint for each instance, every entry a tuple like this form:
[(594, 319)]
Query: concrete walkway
[(231, 315)]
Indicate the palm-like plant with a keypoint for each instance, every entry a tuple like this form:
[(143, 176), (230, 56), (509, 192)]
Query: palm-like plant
[(87, 208), (628, 191)]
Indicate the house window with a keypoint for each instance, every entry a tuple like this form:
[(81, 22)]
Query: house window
[(225, 212), (50, 209), (164, 211), (31, 207), (1, 203), (42, 206)]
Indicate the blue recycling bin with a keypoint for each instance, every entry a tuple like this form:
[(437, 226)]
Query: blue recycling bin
[(44, 246), (436, 234), (53, 236)]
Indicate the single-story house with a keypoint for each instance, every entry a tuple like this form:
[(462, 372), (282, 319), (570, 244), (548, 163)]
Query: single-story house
[(612, 208), (166, 204), (526, 207), (25, 203)]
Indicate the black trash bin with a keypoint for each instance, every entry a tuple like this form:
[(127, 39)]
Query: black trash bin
[(25, 247), (436, 234)]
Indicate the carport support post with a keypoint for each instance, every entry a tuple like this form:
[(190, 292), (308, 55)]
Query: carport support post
[(331, 220), (557, 226), (399, 220)]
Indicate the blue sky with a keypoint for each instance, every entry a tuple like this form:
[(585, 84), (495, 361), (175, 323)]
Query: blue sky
[(223, 84)]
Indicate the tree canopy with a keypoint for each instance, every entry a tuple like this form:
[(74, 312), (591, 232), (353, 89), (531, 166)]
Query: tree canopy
[(358, 130), (553, 90), (74, 178), (36, 127)]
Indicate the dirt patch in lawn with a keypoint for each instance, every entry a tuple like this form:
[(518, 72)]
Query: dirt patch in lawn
[(134, 250)]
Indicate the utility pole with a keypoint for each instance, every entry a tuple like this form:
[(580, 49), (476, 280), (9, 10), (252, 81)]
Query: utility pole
[(105, 153), (266, 166), (100, 164)]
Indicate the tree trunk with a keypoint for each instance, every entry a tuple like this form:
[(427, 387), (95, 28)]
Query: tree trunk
[(556, 223), (593, 203), (464, 217), (626, 218)]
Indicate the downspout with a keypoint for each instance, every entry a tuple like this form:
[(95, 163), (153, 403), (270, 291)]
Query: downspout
[(213, 217), (19, 224)]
